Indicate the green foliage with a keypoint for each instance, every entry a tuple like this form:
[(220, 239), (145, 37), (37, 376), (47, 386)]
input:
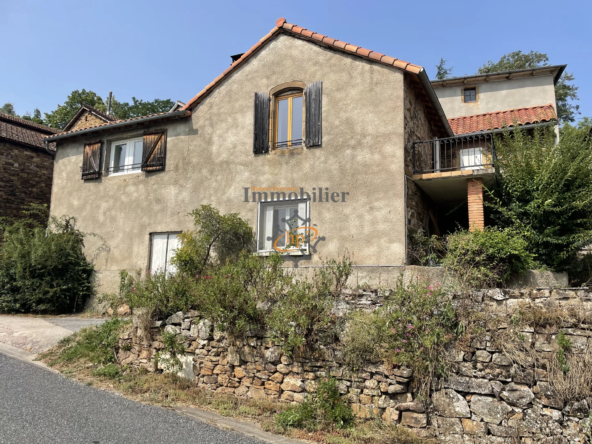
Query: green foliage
[(234, 295), (544, 192), (424, 250), (587, 428), (218, 238), (97, 345), (488, 258), (168, 358), (43, 270), (412, 329), (109, 371), (35, 118), (64, 113), (8, 108), (162, 295), (323, 408), (564, 346), (121, 110), (304, 312), (138, 108), (442, 71), (565, 92)]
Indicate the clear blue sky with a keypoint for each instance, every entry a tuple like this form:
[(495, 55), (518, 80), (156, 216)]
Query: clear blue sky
[(172, 49)]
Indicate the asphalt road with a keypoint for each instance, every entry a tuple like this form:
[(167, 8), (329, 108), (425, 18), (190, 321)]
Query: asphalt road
[(38, 407)]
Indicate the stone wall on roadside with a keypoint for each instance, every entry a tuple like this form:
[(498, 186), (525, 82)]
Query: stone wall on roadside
[(487, 398)]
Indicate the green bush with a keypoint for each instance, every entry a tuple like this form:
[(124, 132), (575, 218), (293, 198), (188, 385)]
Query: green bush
[(488, 258), (411, 329), (43, 269), (97, 345), (545, 192), (323, 408), (169, 357), (162, 295), (218, 238), (423, 250)]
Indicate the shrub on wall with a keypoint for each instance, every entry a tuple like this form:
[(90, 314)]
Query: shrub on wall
[(217, 239), (43, 268), (488, 258)]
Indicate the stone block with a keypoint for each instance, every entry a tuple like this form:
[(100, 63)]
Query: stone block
[(471, 427), (489, 408), (448, 426), (293, 384), (415, 420), (450, 404)]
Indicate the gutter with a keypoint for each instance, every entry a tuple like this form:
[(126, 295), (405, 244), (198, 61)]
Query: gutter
[(123, 123), (427, 84)]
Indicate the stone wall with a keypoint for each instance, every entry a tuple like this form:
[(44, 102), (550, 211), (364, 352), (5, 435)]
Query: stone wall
[(488, 397), (87, 120), (26, 178), (417, 128)]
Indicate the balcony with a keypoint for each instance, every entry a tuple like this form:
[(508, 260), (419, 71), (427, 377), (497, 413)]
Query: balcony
[(441, 167)]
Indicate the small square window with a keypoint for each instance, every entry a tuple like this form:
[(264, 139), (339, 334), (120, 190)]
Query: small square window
[(283, 226), (470, 95), (162, 249)]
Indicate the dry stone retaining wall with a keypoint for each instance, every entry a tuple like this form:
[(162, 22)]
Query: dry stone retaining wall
[(487, 398)]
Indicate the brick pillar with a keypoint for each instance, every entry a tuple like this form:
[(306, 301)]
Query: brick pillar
[(475, 199)]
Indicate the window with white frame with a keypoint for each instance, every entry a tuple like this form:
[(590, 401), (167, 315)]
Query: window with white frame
[(126, 156), (162, 249), (281, 226), (471, 159)]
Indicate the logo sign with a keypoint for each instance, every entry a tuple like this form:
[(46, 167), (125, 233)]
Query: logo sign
[(297, 237)]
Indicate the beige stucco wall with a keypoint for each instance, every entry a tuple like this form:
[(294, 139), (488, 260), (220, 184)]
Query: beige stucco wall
[(210, 160), (498, 95)]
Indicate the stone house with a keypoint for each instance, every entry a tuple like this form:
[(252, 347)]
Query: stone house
[(26, 165), (86, 117), (312, 140)]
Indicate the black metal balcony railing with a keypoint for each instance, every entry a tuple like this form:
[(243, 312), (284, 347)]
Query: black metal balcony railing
[(454, 154), (124, 168)]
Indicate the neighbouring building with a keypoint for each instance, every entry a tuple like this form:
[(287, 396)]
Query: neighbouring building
[(86, 117), (26, 166), (311, 139)]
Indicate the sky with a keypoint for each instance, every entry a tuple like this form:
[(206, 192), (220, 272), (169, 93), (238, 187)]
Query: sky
[(171, 49)]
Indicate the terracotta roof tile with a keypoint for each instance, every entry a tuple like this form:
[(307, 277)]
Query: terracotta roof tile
[(363, 52), (501, 119)]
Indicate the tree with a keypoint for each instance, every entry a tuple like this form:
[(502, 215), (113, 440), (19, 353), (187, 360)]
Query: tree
[(123, 110), (443, 72), (544, 192), (565, 91), (64, 113), (8, 108), (35, 118)]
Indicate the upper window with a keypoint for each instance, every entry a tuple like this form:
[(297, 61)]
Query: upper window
[(289, 119), (283, 226), (470, 95), (126, 156), (162, 250)]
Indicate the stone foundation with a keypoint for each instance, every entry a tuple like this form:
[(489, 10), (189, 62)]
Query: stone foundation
[(487, 398)]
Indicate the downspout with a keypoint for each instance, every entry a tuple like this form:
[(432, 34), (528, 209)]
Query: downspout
[(48, 150)]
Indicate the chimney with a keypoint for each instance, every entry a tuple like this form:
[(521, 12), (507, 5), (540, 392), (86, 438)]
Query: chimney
[(236, 57)]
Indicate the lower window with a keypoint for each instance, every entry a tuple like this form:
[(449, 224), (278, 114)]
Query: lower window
[(162, 249), (471, 159), (282, 226), (126, 156)]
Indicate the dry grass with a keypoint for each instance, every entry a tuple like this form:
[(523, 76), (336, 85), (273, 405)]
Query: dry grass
[(167, 390), (575, 384)]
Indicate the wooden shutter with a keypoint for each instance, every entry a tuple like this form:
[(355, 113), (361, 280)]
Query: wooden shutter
[(314, 114), (261, 130), (91, 161), (154, 150)]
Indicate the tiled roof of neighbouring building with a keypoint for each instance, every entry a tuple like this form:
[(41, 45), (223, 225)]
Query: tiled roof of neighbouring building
[(501, 119), (23, 131)]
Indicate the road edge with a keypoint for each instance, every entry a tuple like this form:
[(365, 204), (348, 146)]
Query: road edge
[(24, 356)]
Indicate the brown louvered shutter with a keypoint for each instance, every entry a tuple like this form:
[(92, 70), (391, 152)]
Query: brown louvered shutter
[(91, 161), (314, 114), (154, 150), (261, 131)]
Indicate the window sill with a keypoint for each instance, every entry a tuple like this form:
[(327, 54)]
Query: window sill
[(288, 253)]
